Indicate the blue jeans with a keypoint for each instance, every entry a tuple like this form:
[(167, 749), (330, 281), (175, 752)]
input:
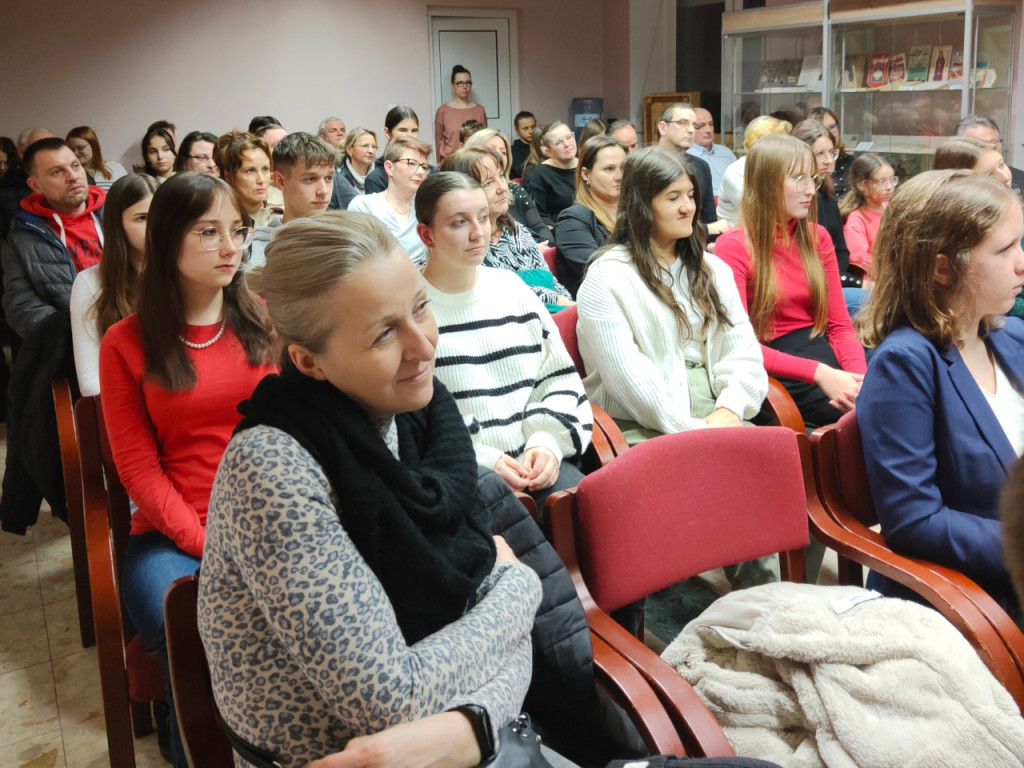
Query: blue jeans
[(151, 564)]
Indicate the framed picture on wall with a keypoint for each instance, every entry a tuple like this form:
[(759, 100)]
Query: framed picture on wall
[(655, 104)]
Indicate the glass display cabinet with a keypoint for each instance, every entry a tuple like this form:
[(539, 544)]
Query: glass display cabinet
[(900, 74), (903, 75), (773, 62)]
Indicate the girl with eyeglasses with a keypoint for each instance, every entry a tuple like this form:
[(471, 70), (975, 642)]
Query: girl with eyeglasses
[(552, 182), (172, 376), (822, 144), (841, 167), (784, 264), (872, 181), (452, 114)]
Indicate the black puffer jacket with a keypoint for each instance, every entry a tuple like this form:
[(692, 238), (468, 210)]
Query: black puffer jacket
[(38, 273), (563, 698)]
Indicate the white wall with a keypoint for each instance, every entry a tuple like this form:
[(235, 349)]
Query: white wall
[(652, 45), (120, 64)]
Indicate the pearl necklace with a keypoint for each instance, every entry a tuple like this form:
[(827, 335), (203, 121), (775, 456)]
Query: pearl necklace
[(205, 344)]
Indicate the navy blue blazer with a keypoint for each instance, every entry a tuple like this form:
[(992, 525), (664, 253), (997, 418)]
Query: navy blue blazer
[(936, 456)]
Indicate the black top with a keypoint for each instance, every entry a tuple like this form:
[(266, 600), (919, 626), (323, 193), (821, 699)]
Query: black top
[(841, 175), (578, 234), (830, 219), (522, 209), (553, 190), (708, 214), (520, 151)]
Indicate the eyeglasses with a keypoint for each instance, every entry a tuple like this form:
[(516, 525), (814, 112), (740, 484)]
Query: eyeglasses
[(562, 141), (211, 240), (889, 183), (200, 158), (463, 83), (684, 123), (803, 181), (831, 154), (831, 126), (702, 126), (414, 165)]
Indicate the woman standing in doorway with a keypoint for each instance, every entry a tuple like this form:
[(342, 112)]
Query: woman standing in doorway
[(452, 114)]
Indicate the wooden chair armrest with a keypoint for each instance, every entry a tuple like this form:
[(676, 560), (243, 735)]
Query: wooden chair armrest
[(697, 728), (783, 410), (700, 733), (607, 441), (629, 690), (946, 590)]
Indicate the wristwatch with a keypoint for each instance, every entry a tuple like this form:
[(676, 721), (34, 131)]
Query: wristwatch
[(481, 723)]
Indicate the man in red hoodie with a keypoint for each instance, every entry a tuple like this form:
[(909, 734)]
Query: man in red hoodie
[(55, 235)]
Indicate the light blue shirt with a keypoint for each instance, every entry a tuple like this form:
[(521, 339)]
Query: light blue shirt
[(719, 157)]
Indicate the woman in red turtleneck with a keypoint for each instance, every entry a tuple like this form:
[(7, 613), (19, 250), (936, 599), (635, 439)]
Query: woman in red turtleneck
[(785, 268)]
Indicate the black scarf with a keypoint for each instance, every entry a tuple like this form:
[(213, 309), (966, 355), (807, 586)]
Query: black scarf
[(417, 522)]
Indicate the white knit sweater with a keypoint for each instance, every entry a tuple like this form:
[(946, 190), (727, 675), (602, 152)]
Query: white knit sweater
[(633, 350), (502, 358)]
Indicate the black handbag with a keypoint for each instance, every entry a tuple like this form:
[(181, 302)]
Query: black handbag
[(518, 747)]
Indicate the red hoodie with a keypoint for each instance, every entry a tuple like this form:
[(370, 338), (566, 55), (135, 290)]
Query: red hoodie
[(81, 235)]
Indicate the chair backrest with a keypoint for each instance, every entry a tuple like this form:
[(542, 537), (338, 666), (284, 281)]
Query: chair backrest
[(678, 505), (566, 322), (127, 676), (206, 744), (850, 472), (549, 257)]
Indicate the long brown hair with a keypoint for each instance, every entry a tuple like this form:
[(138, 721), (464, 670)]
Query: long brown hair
[(809, 131), (764, 218), (588, 159), (177, 205), (118, 278), (947, 212), (645, 173), (860, 171)]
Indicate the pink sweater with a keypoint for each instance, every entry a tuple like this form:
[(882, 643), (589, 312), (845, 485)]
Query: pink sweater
[(167, 445), (793, 307), (447, 123), (860, 230)]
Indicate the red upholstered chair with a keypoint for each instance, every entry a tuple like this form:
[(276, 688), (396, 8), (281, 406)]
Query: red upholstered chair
[(844, 523), (206, 744), (668, 509), (129, 679), (65, 392), (607, 441), (549, 257)]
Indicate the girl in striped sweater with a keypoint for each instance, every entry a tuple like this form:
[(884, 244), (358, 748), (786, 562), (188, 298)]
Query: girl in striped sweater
[(499, 352)]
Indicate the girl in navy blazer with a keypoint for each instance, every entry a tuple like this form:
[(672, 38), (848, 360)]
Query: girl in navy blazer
[(941, 408)]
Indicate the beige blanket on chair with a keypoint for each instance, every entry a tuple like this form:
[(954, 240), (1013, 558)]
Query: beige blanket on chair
[(809, 676)]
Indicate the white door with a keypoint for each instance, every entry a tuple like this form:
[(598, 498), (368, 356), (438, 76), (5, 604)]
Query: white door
[(484, 42)]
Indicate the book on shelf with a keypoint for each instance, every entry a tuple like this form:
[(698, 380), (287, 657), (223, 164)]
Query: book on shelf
[(898, 70), (956, 66), (938, 69), (853, 72), (878, 70), (810, 72), (917, 67)]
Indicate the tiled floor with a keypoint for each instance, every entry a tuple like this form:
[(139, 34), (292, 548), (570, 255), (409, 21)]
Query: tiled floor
[(51, 710)]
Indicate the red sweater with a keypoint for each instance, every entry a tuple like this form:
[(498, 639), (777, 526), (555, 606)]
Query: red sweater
[(793, 306), (167, 445)]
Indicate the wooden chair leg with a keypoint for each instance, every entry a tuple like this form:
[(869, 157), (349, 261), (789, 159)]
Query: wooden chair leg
[(80, 563)]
